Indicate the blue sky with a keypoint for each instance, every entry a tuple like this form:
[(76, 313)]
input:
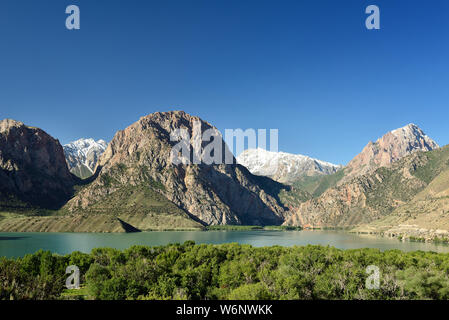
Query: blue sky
[(309, 68)]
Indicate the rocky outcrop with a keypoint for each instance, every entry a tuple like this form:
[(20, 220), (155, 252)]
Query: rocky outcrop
[(141, 155), (392, 147), (33, 170), (372, 185)]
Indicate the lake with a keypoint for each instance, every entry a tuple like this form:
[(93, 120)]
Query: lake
[(19, 244)]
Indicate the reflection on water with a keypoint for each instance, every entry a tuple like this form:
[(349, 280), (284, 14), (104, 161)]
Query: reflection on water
[(11, 238), (19, 244)]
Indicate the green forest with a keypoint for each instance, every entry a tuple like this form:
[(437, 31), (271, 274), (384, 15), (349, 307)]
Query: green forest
[(226, 271)]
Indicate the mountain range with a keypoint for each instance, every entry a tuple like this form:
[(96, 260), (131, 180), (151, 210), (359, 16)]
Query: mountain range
[(33, 170), (136, 183), (398, 181), (284, 167)]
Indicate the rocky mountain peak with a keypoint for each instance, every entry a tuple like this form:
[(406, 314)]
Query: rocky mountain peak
[(157, 128), (389, 148), (415, 136), (213, 194)]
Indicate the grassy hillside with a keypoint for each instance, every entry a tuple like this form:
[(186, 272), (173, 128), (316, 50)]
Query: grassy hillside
[(432, 175), (317, 185), (307, 188), (428, 209), (81, 171), (421, 217), (437, 161), (140, 206), (293, 197)]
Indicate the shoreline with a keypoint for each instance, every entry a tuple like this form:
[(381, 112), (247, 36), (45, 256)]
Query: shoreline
[(415, 235), (421, 235)]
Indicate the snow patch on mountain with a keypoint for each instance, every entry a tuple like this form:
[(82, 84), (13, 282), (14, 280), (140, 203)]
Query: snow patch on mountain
[(83, 154), (284, 167)]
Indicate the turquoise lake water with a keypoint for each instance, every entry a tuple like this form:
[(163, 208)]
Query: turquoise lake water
[(19, 244)]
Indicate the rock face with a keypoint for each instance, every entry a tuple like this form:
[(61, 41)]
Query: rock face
[(373, 184), (426, 215), (33, 171), (82, 156), (391, 147), (284, 167), (140, 155)]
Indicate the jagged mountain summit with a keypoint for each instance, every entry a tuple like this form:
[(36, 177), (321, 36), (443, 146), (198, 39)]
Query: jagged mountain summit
[(140, 157), (33, 171), (82, 156), (284, 167), (391, 147)]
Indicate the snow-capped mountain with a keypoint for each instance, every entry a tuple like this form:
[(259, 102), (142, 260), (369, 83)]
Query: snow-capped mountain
[(82, 156), (283, 167)]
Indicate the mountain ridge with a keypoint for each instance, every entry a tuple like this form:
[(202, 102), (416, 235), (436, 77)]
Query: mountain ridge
[(392, 146), (140, 154), (370, 196), (284, 167), (137, 185)]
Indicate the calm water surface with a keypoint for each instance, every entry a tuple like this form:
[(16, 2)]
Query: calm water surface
[(19, 244)]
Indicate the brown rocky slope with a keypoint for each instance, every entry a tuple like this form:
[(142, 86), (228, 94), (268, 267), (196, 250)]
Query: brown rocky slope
[(139, 157), (374, 195), (391, 147), (33, 170)]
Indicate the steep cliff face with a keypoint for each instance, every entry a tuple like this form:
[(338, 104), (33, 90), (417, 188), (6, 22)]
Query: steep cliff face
[(33, 170), (140, 156)]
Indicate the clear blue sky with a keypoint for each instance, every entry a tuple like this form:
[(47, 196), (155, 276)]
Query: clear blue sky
[(309, 68)]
